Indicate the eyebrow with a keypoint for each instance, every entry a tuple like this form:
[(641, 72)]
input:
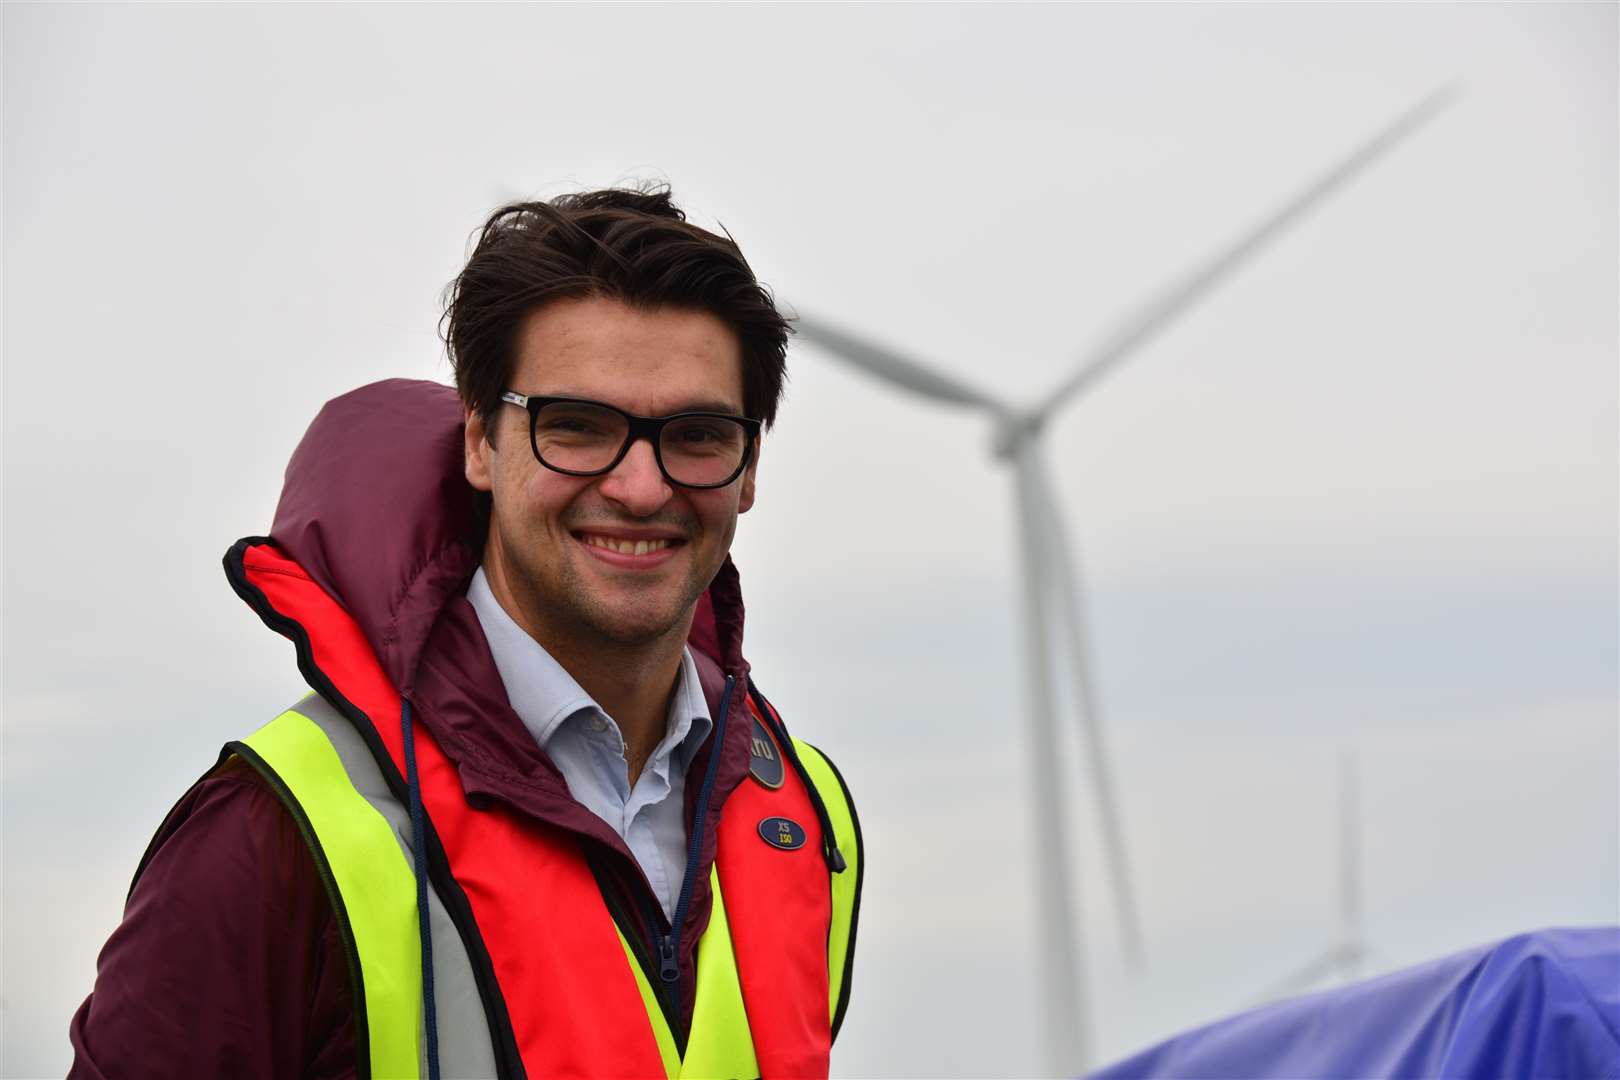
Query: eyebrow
[(711, 405)]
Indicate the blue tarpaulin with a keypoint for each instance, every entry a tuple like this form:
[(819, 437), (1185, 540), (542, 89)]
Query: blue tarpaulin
[(1541, 1006)]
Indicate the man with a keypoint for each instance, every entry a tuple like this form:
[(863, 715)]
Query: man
[(535, 817)]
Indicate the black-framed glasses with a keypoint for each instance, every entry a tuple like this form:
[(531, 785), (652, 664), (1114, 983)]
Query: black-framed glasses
[(588, 438)]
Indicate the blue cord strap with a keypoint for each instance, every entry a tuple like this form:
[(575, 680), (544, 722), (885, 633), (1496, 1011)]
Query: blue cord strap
[(419, 853)]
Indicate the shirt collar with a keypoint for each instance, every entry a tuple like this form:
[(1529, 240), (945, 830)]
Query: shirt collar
[(544, 695), (689, 720)]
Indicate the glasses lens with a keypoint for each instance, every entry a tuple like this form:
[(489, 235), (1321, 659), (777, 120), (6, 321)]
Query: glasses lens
[(702, 450), (578, 437)]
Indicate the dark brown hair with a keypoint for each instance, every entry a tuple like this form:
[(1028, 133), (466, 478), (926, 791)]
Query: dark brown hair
[(632, 246)]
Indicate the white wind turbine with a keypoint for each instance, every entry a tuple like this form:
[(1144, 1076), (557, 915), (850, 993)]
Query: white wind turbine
[(1050, 599), (1346, 956)]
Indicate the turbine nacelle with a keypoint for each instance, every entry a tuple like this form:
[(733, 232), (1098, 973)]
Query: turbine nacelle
[(1012, 430)]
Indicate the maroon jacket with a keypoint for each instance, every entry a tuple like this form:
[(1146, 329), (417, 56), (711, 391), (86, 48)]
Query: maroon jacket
[(228, 961)]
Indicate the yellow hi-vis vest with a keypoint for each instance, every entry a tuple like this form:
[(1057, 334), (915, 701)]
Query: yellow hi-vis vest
[(584, 1021)]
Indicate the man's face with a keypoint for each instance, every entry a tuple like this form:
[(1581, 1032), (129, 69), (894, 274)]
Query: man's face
[(548, 556)]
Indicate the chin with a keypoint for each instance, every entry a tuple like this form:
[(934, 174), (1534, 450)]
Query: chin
[(636, 624), (634, 632)]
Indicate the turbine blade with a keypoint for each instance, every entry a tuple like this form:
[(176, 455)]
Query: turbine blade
[(887, 364), (1064, 581), (1181, 294)]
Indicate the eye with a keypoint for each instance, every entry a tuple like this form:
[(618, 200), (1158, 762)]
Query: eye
[(697, 432), (568, 425), (575, 421), (703, 435)]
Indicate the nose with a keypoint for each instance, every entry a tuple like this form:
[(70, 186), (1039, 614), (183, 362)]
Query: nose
[(636, 482)]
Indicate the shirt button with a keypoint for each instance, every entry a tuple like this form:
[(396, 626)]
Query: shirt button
[(598, 724)]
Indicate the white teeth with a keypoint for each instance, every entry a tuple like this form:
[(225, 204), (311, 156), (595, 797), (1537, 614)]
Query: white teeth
[(626, 547)]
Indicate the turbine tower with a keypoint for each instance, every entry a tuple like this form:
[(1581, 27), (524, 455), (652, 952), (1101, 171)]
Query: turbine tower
[(1050, 583)]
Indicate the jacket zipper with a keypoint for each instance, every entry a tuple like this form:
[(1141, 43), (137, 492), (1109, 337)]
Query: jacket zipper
[(668, 996), (669, 945)]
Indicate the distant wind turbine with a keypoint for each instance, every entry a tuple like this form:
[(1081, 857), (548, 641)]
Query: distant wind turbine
[(1345, 956), (1050, 583)]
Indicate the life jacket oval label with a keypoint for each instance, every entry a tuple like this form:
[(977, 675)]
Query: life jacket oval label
[(781, 832), (765, 760)]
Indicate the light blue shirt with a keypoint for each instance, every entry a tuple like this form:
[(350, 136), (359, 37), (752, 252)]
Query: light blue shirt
[(588, 748)]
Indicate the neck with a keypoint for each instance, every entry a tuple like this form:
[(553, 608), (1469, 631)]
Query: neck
[(633, 685), (632, 681)]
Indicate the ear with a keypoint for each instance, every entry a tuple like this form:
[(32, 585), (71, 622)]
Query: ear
[(745, 497), (477, 450)]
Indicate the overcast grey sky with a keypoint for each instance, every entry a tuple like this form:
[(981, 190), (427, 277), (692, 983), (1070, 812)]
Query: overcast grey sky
[(1363, 498)]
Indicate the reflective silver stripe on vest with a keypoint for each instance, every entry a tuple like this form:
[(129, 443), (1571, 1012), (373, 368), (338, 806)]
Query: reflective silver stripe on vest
[(465, 1049)]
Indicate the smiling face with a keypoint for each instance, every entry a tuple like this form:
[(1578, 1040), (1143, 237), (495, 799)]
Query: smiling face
[(621, 558)]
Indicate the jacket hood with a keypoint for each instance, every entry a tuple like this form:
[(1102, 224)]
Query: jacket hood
[(377, 509)]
